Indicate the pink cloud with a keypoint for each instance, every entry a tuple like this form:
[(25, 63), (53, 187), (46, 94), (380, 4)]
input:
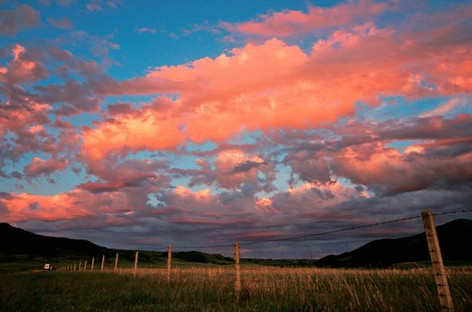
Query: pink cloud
[(21, 207), (73, 205), (292, 23), (152, 130), (452, 104), (147, 30), (38, 167), (284, 86), (93, 7), (361, 153), (21, 17), (22, 68), (234, 167), (120, 108), (206, 221), (389, 171), (202, 195), (62, 23)]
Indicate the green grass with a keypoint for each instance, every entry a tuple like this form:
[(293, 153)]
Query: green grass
[(212, 289)]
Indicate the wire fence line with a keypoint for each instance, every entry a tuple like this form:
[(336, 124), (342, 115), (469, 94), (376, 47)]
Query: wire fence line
[(314, 236), (304, 237), (438, 269)]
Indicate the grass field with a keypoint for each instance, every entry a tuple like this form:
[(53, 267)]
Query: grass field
[(212, 289)]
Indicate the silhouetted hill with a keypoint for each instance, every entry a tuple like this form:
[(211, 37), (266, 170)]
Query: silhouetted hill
[(21, 242), (454, 239), (22, 246)]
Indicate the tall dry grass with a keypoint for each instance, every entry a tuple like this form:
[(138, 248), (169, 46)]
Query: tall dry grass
[(263, 289)]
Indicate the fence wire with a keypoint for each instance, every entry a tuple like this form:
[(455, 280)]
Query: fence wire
[(314, 236)]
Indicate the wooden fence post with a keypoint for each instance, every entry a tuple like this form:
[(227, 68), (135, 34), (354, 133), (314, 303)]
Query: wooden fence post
[(93, 262), (237, 282), (85, 265), (169, 261), (103, 263), (116, 262), (80, 265), (440, 275), (75, 266), (135, 263)]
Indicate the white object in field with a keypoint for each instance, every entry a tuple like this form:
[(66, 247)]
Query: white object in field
[(47, 266)]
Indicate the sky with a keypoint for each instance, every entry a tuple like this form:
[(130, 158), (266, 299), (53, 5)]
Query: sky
[(138, 124)]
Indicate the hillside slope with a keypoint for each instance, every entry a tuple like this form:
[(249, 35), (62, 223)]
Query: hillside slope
[(24, 246), (454, 239), (20, 242)]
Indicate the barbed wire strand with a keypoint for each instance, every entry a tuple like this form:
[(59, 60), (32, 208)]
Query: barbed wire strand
[(311, 236)]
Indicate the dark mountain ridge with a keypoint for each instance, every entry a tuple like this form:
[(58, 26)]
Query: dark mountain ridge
[(454, 239), (21, 245), (19, 241), (454, 236)]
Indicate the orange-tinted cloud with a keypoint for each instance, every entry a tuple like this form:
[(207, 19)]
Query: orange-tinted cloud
[(203, 195), (276, 85), (234, 167), (61, 23), (292, 23), (74, 204), (389, 171), (21, 207), (151, 130), (449, 106), (21, 17), (39, 166), (22, 68)]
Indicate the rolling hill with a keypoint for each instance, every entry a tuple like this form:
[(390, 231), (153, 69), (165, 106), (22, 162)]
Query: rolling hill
[(28, 250), (21, 242), (454, 239), (25, 247)]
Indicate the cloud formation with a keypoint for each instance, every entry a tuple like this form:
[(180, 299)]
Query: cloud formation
[(318, 120), (62, 23), (39, 166), (17, 19), (285, 87), (294, 23)]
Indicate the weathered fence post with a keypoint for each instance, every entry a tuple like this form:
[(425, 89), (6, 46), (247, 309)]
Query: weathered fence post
[(103, 263), (237, 282), (116, 262), (85, 265), (135, 263), (75, 266), (80, 265), (440, 275), (93, 262), (169, 261)]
